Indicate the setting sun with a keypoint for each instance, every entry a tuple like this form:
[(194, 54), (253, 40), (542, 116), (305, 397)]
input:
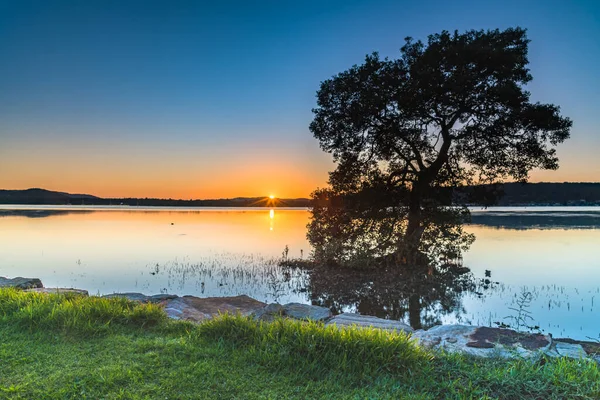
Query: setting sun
[(271, 197)]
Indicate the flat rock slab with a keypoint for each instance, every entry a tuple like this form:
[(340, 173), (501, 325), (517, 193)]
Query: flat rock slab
[(483, 341), (570, 350), (365, 321), (157, 298), (306, 312), (21, 283), (198, 309), (591, 348), (80, 292)]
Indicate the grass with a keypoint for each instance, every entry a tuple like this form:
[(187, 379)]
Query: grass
[(71, 347)]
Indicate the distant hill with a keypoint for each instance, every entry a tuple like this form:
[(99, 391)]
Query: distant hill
[(235, 202), (549, 194), (42, 196), (513, 194)]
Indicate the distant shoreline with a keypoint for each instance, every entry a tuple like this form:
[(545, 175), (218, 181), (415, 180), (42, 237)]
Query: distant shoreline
[(474, 209), (512, 195)]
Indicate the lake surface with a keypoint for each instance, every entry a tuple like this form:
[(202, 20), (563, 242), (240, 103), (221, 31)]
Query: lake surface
[(549, 252)]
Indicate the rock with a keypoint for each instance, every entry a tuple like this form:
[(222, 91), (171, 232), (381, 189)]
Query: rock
[(591, 348), (197, 309), (305, 311), (269, 313), (179, 309), (365, 321), (157, 298), (485, 337), (129, 296), (21, 283), (483, 341), (59, 291), (571, 350), (274, 309)]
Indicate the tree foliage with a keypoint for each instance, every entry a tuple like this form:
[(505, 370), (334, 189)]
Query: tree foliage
[(404, 132)]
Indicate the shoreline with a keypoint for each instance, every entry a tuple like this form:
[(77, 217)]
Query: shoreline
[(480, 341)]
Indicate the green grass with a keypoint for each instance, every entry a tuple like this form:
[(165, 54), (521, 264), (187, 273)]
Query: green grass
[(70, 347)]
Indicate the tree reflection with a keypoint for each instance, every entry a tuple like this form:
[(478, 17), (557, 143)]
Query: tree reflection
[(409, 294), (379, 282)]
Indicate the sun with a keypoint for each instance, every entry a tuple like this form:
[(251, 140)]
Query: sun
[(271, 197)]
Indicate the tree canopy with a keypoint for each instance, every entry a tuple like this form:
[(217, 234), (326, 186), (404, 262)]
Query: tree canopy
[(405, 132)]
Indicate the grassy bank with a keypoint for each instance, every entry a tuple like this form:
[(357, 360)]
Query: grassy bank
[(65, 347)]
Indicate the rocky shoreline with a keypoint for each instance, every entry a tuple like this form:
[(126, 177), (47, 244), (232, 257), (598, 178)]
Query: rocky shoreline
[(478, 341)]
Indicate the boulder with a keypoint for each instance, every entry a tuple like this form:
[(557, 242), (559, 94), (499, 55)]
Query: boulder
[(197, 309), (365, 321), (591, 348), (274, 309), (157, 298), (80, 292), (129, 296), (21, 283), (483, 341), (179, 309), (306, 312), (570, 350), (269, 313)]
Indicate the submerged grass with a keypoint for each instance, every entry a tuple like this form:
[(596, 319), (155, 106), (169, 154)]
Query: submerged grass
[(73, 347)]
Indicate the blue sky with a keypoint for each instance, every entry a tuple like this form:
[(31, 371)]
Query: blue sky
[(213, 99)]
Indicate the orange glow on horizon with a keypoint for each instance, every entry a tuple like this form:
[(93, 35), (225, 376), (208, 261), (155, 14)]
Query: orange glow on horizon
[(172, 170), (155, 173), (111, 182)]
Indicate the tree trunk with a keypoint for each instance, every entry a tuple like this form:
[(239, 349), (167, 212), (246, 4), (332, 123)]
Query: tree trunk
[(409, 248)]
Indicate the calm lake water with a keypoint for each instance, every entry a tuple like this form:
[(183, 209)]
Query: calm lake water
[(550, 252)]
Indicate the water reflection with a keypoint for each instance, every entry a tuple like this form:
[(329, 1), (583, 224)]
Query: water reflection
[(417, 297), (583, 218), (229, 274), (421, 299), (39, 213), (226, 252)]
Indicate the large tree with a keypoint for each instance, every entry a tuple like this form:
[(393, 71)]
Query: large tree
[(450, 112)]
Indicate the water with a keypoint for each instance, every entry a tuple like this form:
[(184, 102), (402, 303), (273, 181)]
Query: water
[(550, 252)]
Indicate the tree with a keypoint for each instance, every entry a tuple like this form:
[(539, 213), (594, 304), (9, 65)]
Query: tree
[(404, 132)]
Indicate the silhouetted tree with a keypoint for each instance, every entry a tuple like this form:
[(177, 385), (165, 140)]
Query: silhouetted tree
[(404, 132)]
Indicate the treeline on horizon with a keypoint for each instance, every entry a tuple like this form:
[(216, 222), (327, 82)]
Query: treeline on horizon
[(509, 194)]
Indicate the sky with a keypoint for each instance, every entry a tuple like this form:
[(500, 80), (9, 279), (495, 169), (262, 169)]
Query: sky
[(212, 99)]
